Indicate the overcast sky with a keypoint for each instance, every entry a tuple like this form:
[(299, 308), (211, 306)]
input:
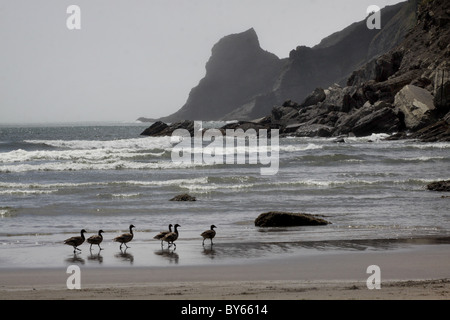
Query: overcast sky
[(138, 57)]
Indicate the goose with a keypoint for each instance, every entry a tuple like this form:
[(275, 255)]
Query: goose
[(75, 241), (125, 238), (209, 234), (161, 235), (171, 237), (96, 239)]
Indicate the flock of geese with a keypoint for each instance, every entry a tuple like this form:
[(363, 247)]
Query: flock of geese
[(165, 236)]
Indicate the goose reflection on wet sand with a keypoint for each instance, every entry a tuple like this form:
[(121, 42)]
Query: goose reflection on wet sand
[(170, 255), (95, 257), (209, 252), (124, 256), (75, 259)]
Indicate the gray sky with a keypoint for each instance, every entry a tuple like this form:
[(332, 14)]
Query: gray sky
[(138, 58)]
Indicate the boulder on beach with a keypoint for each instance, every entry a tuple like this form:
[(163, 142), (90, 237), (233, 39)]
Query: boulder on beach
[(183, 197), (439, 186), (288, 219), (417, 106)]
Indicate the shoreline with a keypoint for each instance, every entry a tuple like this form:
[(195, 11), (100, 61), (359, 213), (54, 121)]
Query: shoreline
[(417, 272)]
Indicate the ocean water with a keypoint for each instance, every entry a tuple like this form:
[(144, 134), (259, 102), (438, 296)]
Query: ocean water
[(58, 179)]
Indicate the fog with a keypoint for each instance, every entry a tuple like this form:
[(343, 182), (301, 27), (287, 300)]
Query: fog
[(138, 57)]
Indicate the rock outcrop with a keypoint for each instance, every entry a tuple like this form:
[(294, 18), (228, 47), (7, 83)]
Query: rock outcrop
[(159, 128), (439, 131)]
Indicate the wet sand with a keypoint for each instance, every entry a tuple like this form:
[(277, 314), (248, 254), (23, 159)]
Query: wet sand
[(413, 272)]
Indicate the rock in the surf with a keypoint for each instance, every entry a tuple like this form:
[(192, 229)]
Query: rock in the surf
[(439, 186), (183, 197)]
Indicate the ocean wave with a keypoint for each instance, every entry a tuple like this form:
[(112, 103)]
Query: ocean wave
[(326, 183), (300, 147), (6, 146), (20, 155), (321, 159), (374, 137), (6, 212), (429, 145), (119, 195), (352, 182), (217, 187), (230, 179), (145, 143), (6, 187), (198, 185), (249, 149), (422, 159), (96, 165), (349, 183), (17, 189), (142, 153), (25, 192), (417, 181)]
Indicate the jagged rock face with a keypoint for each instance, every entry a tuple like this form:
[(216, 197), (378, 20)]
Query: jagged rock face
[(337, 56), (420, 59), (318, 95), (378, 118), (237, 70), (442, 96), (379, 69), (382, 119)]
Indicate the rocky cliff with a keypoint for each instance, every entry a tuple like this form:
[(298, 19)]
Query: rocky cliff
[(337, 56), (244, 82), (237, 70), (404, 90)]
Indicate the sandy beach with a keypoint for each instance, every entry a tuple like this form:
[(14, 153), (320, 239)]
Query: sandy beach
[(413, 272)]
